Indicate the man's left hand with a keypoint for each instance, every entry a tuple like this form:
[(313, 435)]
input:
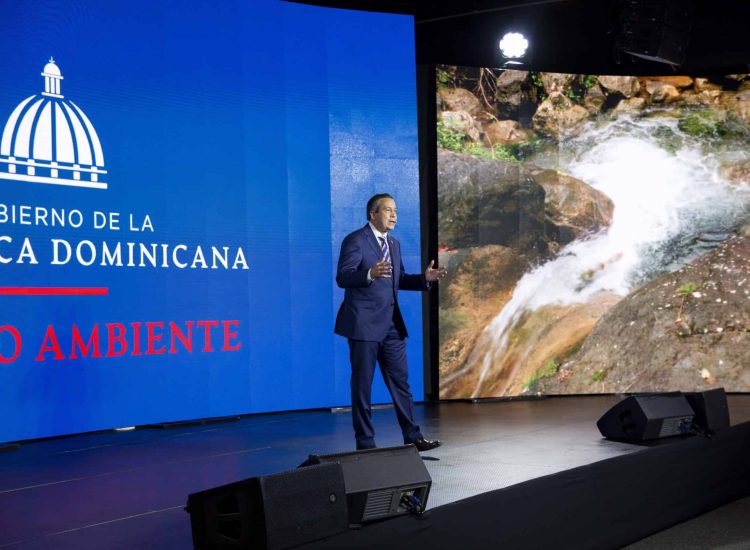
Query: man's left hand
[(432, 275)]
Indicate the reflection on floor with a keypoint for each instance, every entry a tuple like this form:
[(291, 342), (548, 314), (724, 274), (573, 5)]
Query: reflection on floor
[(128, 489)]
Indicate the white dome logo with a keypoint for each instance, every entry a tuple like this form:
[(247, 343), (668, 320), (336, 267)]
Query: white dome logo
[(48, 139)]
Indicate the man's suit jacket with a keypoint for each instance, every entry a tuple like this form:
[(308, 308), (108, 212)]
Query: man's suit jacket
[(369, 308)]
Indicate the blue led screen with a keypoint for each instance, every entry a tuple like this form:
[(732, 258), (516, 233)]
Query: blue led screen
[(175, 182)]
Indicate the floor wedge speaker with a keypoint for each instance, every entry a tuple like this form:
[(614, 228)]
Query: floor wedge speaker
[(645, 417), (270, 512), (381, 483), (711, 410)]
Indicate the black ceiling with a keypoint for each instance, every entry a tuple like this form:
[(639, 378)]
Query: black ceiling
[(576, 36)]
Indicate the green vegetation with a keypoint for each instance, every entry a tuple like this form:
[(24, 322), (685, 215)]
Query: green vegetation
[(574, 95), (545, 371), (456, 141), (687, 289), (536, 80), (443, 77), (522, 151), (590, 80), (576, 91), (707, 123), (450, 139), (700, 124), (498, 152), (598, 376), (449, 76)]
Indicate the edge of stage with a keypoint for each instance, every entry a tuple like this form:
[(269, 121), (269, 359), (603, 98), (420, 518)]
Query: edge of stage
[(128, 489)]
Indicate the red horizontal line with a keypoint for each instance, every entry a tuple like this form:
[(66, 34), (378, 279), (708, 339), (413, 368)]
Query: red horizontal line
[(53, 291)]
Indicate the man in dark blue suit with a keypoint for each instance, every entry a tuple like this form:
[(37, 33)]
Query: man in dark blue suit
[(371, 271)]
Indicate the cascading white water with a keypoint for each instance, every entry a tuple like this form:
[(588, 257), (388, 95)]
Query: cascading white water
[(661, 195)]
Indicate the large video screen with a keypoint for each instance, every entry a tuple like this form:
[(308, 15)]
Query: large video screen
[(596, 231), (176, 179)]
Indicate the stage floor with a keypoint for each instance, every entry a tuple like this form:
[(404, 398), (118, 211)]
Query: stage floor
[(128, 489)]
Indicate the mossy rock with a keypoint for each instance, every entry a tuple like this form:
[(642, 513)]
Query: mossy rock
[(668, 139), (733, 127), (700, 124)]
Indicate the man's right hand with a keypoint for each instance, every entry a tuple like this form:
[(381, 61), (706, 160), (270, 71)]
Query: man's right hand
[(381, 270)]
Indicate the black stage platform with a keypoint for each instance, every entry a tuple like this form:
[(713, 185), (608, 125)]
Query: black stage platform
[(128, 489)]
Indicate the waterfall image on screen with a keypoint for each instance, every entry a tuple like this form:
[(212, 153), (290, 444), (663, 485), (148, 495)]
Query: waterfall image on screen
[(596, 231)]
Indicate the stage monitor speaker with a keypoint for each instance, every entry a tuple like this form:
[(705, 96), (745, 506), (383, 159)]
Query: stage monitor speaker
[(269, 512), (645, 417), (711, 410), (381, 483)]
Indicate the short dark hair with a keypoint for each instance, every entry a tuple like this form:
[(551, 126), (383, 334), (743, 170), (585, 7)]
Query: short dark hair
[(372, 204)]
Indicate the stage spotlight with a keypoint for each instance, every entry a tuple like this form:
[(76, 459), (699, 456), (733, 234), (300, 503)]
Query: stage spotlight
[(513, 45)]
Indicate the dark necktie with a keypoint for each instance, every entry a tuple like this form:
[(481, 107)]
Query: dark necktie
[(384, 248)]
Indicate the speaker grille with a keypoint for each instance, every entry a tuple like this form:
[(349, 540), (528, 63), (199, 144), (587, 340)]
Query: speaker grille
[(675, 426), (375, 479), (644, 417), (378, 505), (229, 518)]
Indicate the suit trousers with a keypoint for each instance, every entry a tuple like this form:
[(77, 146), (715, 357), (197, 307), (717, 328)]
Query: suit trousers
[(390, 354)]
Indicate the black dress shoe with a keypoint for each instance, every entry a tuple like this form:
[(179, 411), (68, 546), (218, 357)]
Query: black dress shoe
[(423, 444)]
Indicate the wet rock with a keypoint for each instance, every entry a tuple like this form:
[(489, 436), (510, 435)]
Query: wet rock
[(483, 201), (483, 118), (594, 99), (509, 92), (480, 281), (661, 92), (559, 118), (535, 346), (478, 273), (556, 82), (705, 85), (574, 207), (701, 123), (632, 105), (661, 336), (675, 81), (704, 97), (736, 173), (459, 99), (627, 86), (544, 338), (461, 121), (504, 132), (737, 103)]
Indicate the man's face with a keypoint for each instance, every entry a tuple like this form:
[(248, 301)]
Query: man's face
[(384, 217)]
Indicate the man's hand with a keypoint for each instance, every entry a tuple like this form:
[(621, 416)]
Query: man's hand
[(432, 275), (381, 270)]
